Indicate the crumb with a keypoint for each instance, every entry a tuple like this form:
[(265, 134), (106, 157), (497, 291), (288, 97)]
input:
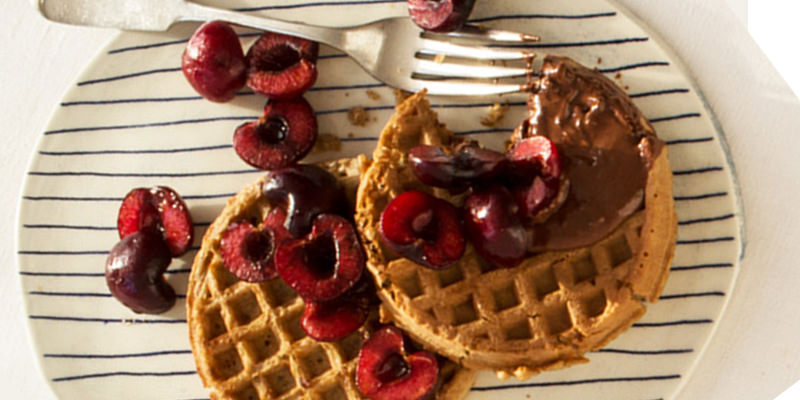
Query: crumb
[(507, 144), (627, 87), (346, 94), (496, 113), (618, 75), (373, 95), (599, 60), (439, 59), (400, 95), (357, 116), (350, 135), (327, 142)]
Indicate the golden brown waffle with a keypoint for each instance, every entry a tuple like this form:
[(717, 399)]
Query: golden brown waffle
[(542, 314), (246, 338)]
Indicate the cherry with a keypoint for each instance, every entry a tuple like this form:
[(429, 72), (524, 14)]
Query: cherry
[(536, 155), (493, 225), (134, 273), (325, 263), (424, 229), (248, 252), (386, 370), (536, 164), (466, 164), (440, 15), (282, 67), (283, 135), (305, 191), (161, 209), (333, 320), (214, 62)]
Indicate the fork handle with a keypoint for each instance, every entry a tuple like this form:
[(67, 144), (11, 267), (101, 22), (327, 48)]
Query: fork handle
[(331, 36)]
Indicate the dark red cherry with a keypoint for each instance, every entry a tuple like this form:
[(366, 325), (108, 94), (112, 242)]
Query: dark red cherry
[(455, 170), (386, 370), (214, 62), (283, 135), (305, 191), (335, 319), (536, 155), (424, 229), (159, 208), (282, 67), (135, 272), (536, 165), (491, 216), (325, 263), (440, 15)]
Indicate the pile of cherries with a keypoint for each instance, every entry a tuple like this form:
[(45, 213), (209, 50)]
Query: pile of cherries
[(154, 226), (505, 192), (306, 241), (278, 66), (282, 68)]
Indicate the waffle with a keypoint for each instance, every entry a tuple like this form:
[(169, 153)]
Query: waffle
[(543, 314), (246, 338)]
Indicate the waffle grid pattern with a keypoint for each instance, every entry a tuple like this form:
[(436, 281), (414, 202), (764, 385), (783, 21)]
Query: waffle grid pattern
[(557, 301), (543, 314), (256, 348), (246, 337)]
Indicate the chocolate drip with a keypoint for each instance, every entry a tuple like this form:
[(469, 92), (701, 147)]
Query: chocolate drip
[(607, 147)]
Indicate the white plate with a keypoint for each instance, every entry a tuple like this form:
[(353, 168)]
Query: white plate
[(132, 120)]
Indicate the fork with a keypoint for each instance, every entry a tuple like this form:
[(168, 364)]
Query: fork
[(394, 51)]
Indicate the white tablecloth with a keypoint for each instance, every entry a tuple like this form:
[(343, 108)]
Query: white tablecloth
[(755, 353)]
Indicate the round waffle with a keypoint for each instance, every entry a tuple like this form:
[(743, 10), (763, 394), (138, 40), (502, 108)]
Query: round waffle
[(543, 314), (246, 337)]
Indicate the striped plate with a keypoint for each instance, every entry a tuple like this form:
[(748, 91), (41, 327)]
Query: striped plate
[(132, 120)]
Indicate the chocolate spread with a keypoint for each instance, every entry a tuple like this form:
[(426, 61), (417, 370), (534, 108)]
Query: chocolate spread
[(607, 149)]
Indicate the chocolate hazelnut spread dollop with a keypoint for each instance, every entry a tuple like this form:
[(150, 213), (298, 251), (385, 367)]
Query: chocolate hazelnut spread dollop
[(607, 148)]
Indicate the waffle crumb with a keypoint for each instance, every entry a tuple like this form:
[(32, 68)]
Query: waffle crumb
[(373, 95), (357, 116), (439, 59), (327, 142), (496, 113), (400, 95), (599, 60)]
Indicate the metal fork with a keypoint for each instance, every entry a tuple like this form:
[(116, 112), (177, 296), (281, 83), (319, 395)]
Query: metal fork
[(394, 51)]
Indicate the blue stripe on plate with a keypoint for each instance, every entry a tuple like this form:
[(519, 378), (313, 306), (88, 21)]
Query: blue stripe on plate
[(578, 382), (122, 373), (113, 356)]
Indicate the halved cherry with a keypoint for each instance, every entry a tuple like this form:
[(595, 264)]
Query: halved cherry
[(283, 135), (282, 67), (455, 170), (335, 319), (440, 15), (161, 209), (494, 227), (248, 252), (325, 263), (536, 163), (305, 191), (536, 155), (387, 371), (424, 229)]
